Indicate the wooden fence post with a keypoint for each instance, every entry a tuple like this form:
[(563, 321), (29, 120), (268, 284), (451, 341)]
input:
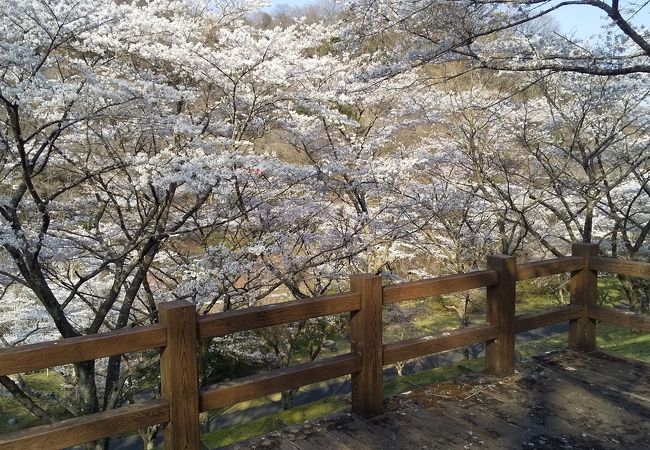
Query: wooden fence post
[(178, 375), (584, 292), (500, 352), (366, 336)]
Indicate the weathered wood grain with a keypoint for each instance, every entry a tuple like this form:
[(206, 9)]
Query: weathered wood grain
[(531, 321), (87, 428), (621, 318), (500, 352), (412, 348), (270, 382), (621, 266), (366, 339), (362, 435), (584, 292), (537, 269), (179, 375), (439, 286), (25, 358), (221, 324)]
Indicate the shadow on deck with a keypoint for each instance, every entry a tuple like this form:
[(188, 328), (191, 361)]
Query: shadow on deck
[(561, 400)]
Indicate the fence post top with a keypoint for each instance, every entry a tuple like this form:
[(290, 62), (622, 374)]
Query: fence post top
[(363, 276), (175, 304), (503, 262), (585, 246), (500, 256), (506, 265)]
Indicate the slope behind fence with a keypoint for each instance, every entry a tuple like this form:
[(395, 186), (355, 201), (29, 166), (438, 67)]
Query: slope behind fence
[(179, 329)]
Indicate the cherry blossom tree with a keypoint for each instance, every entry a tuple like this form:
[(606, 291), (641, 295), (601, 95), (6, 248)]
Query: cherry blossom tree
[(130, 166), (175, 150), (508, 35)]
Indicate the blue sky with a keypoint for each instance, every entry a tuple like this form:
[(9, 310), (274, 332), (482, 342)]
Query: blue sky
[(291, 2), (586, 21), (583, 21)]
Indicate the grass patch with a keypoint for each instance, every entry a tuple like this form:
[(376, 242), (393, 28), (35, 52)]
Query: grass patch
[(14, 416), (623, 341), (532, 298), (258, 427), (533, 347), (610, 290), (242, 406), (434, 318), (436, 375), (428, 317)]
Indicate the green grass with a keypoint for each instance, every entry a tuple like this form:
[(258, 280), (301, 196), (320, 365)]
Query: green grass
[(556, 341), (610, 290), (436, 375), (530, 298), (257, 427), (11, 409), (611, 338), (429, 318), (624, 342)]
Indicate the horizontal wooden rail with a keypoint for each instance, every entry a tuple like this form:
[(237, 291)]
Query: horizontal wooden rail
[(413, 348), (254, 386), (180, 327), (537, 269), (531, 321), (228, 322), (621, 318), (75, 431), (621, 266), (65, 351), (439, 286)]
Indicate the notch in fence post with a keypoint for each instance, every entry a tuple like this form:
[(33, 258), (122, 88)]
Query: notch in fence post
[(500, 352), (366, 339), (179, 375), (584, 292)]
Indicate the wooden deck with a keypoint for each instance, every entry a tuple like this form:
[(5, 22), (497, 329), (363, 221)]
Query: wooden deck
[(562, 400)]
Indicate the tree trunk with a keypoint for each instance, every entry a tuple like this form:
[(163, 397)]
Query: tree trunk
[(148, 436), (630, 292), (287, 398), (24, 399), (87, 389)]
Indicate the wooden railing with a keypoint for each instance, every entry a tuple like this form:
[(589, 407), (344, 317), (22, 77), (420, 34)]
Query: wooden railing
[(176, 335)]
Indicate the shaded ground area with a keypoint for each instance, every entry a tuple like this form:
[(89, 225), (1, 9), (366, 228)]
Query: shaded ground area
[(561, 400), (334, 388)]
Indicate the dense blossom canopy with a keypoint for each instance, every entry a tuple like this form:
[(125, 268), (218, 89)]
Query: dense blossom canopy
[(169, 149)]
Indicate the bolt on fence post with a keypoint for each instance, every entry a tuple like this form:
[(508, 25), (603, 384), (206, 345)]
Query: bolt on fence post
[(179, 375), (366, 336), (500, 352), (584, 292)]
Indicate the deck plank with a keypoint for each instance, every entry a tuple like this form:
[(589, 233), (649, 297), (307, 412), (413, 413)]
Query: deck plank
[(365, 438)]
